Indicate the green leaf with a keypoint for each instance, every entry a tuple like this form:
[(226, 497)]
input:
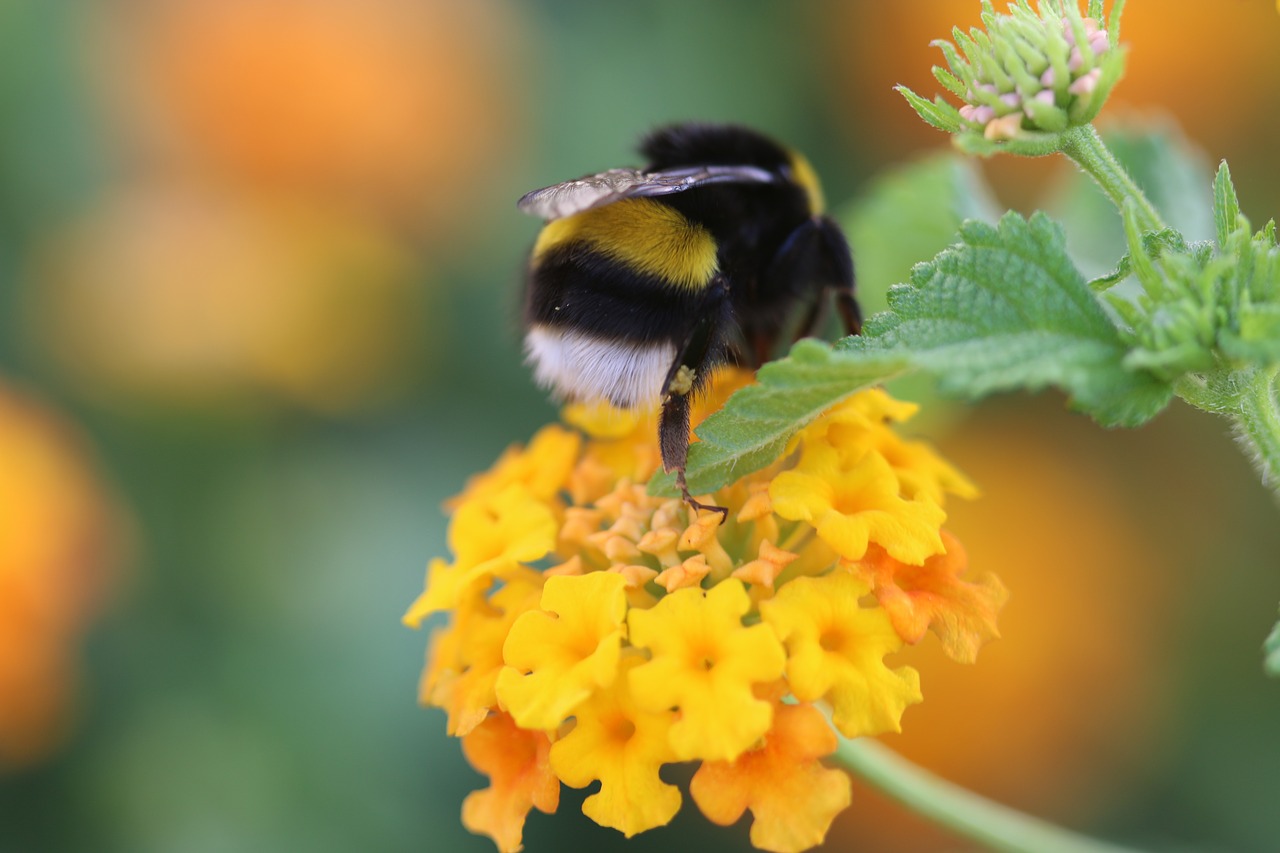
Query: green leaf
[(937, 112), (753, 428), (1154, 244), (1258, 339), (1271, 653), (1226, 207), (1007, 309)]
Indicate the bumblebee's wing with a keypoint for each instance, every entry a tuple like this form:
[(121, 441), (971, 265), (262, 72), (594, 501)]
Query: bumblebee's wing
[(572, 197)]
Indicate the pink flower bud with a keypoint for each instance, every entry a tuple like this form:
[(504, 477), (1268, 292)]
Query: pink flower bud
[(977, 115), (1087, 83), (1098, 42), (1075, 60), (1047, 78), (1005, 127), (1011, 99)]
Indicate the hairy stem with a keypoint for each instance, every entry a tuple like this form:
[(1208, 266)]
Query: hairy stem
[(1248, 397), (976, 818), (1258, 424), (1083, 145)]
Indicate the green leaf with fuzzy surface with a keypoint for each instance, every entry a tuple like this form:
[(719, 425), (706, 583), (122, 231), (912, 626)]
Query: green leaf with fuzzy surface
[(1007, 309), (753, 428), (937, 112), (1226, 207)]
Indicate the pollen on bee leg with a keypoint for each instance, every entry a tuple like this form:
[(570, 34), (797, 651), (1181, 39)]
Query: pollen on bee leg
[(683, 382)]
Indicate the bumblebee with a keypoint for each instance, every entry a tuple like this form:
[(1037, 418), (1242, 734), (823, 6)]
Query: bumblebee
[(643, 280)]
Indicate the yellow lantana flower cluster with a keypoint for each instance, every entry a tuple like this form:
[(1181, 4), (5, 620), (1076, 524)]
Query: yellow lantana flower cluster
[(597, 633)]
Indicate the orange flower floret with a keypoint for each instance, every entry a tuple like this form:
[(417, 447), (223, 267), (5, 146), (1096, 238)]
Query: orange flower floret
[(764, 570), (934, 597), (623, 745), (558, 655), (687, 574), (517, 762), (835, 651), (705, 662), (792, 797), (468, 657)]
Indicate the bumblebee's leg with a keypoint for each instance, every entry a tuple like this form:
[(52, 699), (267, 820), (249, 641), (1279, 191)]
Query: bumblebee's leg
[(816, 257), (688, 373)]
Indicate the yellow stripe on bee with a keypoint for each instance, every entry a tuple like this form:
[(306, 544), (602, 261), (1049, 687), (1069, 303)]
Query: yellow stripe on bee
[(642, 234), (807, 180)]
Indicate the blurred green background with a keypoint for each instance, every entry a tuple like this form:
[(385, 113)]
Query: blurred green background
[(259, 288)]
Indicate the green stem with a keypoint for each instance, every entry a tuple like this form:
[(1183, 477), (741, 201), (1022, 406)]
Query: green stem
[(1248, 397), (1258, 423), (1083, 145), (963, 812)]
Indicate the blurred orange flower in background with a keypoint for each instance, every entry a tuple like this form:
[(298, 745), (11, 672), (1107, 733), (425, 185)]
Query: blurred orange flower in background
[(61, 540), (281, 177), (165, 292), (389, 105)]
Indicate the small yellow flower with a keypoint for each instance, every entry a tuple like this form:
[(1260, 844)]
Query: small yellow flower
[(835, 651), (490, 534), (853, 505), (864, 421), (624, 746), (558, 655), (704, 662), (602, 633)]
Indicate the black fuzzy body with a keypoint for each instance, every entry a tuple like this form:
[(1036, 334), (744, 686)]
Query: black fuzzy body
[(774, 251), (578, 287)]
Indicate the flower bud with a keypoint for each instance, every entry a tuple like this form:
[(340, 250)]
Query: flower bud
[(1028, 74)]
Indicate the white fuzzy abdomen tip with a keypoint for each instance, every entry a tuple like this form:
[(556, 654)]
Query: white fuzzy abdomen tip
[(578, 366)]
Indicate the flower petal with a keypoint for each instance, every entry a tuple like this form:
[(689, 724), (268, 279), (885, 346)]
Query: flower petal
[(558, 655), (520, 778), (704, 662), (793, 798), (835, 650), (934, 597), (624, 746)]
